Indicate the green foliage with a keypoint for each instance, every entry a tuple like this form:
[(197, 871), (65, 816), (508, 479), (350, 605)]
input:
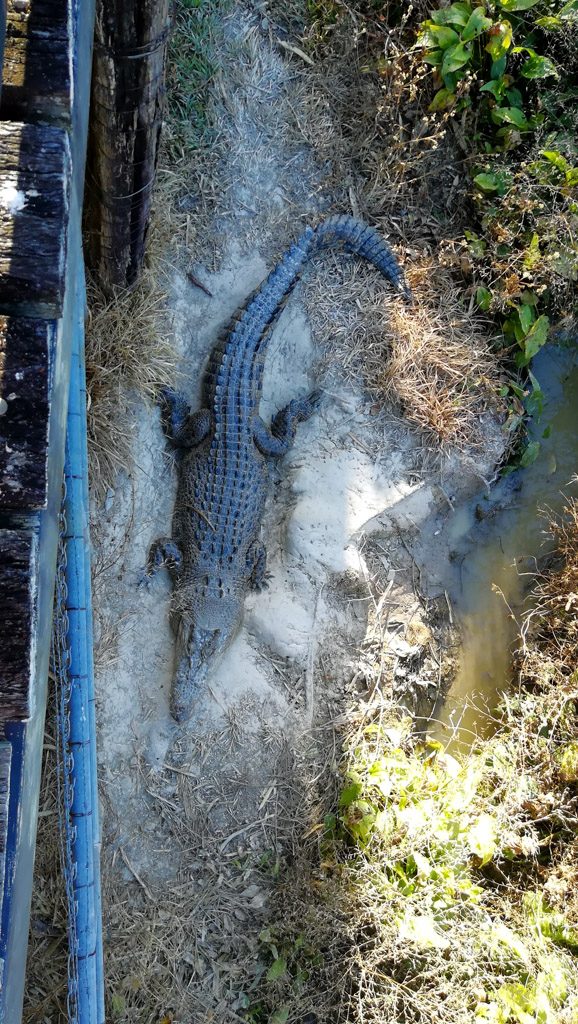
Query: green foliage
[(568, 762), (192, 62), (467, 44), (117, 1004), (417, 828), (550, 923), (494, 63), (290, 959)]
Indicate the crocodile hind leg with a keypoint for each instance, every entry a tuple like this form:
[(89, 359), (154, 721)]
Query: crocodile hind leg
[(184, 428), (278, 440), (257, 563)]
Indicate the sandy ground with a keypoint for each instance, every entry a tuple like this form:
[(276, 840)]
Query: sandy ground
[(185, 805)]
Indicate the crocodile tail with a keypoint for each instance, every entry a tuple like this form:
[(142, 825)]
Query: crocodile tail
[(362, 240)]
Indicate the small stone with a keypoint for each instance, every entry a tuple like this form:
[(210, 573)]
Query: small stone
[(399, 646)]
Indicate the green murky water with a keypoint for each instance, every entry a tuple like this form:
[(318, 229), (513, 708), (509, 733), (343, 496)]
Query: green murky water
[(496, 544)]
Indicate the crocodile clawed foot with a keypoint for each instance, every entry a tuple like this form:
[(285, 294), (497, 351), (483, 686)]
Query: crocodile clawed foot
[(314, 399), (144, 579), (263, 583), (164, 554)]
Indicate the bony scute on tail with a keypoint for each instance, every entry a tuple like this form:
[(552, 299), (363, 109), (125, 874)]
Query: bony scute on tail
[(215, 554)]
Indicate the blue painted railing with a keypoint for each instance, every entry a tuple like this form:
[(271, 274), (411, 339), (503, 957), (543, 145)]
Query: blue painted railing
[(87, 911), (26, 737)]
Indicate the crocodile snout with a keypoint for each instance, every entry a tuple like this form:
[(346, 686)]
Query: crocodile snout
[(196, 649)]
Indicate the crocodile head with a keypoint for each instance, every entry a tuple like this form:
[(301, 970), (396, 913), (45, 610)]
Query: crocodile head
[(201, 637)]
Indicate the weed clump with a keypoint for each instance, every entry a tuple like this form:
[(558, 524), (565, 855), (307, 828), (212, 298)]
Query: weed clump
[(127, 355), (459, 121)]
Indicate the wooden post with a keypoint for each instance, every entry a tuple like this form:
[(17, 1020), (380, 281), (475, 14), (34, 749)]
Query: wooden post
[(125, 124)]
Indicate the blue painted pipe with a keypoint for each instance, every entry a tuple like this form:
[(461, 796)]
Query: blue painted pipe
[(82, 742)]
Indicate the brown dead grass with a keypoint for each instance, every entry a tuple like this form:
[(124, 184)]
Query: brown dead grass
[(557, 607), (432, 360), (393, 161), (550, 633), (45, 999), (440, 368), (128, 355)]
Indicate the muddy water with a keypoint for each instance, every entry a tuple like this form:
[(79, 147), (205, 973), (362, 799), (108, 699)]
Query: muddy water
[(495, 544)]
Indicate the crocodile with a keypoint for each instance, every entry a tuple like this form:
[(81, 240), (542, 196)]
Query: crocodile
[(215, 554)]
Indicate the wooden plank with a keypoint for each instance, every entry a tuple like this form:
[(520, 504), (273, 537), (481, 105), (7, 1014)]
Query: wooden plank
[(37, 64), (34, 196), (17, 589), (25, 361)]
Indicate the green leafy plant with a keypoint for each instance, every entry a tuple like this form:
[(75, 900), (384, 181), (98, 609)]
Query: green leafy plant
[(467, 44), (287, 963), (487, 60), (419, 828)]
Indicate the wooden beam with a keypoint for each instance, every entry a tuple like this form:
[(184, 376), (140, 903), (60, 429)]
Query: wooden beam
[(34, 196), (37, 66), (26, 351)]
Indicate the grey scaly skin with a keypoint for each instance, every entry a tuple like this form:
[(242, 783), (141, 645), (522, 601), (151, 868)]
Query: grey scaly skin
[(215, 555)]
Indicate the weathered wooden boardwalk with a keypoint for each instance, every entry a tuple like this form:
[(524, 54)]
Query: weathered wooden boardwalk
[(43, 130)]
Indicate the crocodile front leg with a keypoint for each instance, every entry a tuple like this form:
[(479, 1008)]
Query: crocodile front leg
[(184, 428), (257, 563), (278, 440), (164, 553)]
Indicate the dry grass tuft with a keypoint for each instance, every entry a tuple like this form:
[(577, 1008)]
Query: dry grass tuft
[(127, 355), (554, 619), (440, 368), (393, 161), (432, 359)]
